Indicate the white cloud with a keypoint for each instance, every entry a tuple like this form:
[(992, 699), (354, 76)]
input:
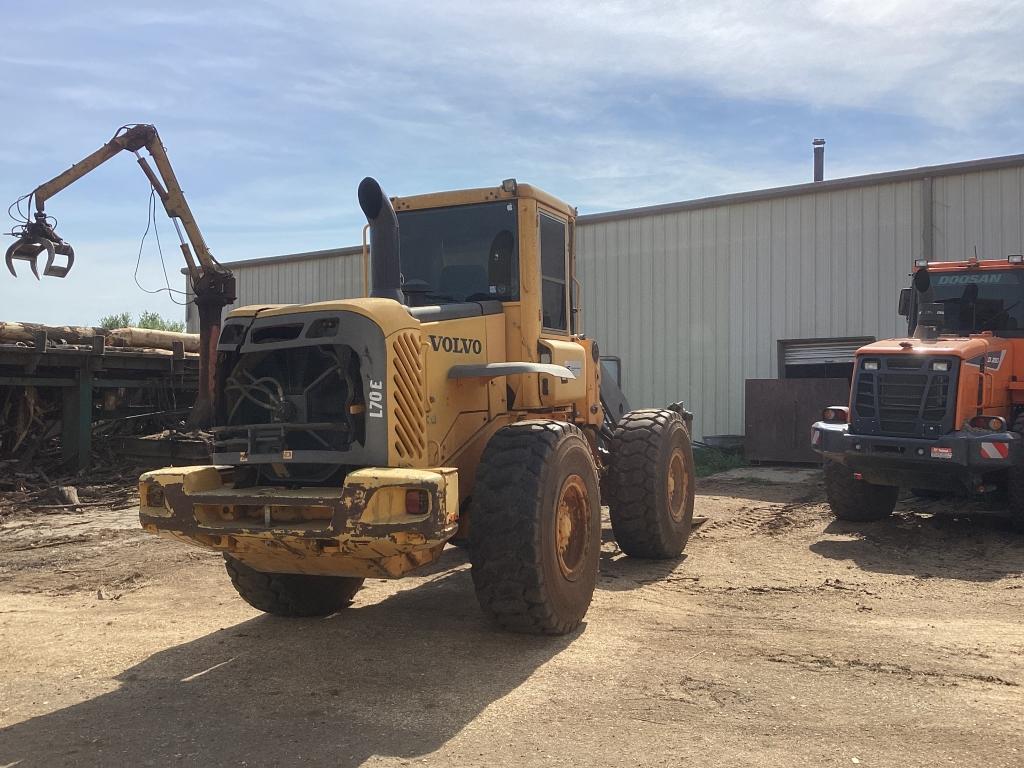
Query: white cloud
[(273, 114), (945, 62)]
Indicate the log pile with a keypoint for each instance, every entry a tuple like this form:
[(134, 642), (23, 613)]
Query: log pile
[(140, 338), (109, 486), (30, 419), (31, 416)]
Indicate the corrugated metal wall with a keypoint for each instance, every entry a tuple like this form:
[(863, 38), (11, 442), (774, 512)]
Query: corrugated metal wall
[(694, 300), (299, 279), (979, 209)]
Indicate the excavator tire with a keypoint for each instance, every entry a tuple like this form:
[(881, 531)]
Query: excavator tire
[(535, 536), (292, 594), (1015, 484), (856, 500), (651, 483)]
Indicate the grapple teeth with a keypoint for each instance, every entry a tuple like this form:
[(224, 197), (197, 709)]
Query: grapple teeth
[(28, 249), (60, 249)]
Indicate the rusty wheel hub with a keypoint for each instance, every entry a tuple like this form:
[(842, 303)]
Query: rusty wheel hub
[(676, 486), (572, 526)]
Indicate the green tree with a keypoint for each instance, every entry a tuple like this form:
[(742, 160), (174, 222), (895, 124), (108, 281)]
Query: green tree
[(110, 322), (150, 320), (154, 322)]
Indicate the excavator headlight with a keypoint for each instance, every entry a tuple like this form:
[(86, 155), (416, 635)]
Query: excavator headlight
[(992, 423), (1016, 258), (836, 414), (940, 365), (871, 365), (920, 262)]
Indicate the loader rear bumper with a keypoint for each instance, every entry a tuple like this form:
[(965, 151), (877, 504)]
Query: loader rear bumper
[(958, 459), (381, 522)]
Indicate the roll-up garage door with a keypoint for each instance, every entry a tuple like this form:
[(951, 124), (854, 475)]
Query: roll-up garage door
[(800, 358)]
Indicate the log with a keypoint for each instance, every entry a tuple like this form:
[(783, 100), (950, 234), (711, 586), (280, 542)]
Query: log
[(27, 332), (11, 332), (143, 337), (68, 495)]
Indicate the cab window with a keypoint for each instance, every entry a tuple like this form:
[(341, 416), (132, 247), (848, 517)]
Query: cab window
[(460, 253), (553, 269)]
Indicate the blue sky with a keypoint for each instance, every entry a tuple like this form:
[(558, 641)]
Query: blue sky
[(272, 114)]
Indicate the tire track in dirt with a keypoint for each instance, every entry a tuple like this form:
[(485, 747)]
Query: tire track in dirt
[(821, 663)]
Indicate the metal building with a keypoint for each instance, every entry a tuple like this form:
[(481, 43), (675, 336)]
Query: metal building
[(699, 296)]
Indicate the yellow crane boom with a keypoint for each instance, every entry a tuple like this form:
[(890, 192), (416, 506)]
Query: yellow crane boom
[(213, 286)]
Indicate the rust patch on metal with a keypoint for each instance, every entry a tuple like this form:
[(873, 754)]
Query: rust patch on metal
[(362, 529)]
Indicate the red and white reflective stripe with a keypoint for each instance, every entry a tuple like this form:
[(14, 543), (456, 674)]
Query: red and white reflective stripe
[(995, 450)]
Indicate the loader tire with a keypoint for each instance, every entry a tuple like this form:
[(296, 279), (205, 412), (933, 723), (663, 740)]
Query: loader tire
[(291, 594), (856, 500), (535, 532), (651, 483), (1015, 485)]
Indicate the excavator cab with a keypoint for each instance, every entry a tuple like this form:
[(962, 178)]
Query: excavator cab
[(36, 238)]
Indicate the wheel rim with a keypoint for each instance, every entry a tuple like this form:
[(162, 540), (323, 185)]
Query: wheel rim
[(572, 526), (676, 486)]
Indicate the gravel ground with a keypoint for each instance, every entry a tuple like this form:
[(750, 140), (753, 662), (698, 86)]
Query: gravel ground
[(781, 638)]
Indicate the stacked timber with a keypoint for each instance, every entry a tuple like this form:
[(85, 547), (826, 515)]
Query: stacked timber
[(136, 338)]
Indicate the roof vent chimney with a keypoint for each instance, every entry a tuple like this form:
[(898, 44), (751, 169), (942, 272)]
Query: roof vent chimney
[(819, 159)]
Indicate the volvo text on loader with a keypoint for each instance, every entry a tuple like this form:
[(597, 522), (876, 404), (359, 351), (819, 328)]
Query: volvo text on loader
[(458, 402), (941, 410)]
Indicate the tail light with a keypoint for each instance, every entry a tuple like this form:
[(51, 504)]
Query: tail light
[(416, 502)]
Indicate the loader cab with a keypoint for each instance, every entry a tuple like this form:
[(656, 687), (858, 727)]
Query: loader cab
[(511, 244), (964, 298)]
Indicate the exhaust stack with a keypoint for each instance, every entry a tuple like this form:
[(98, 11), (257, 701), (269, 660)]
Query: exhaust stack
[(385, 266), (819, 159)]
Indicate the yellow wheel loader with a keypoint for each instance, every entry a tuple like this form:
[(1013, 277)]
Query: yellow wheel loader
[(459, 402)]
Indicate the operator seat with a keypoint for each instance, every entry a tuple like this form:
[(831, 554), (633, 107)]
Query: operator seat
[(462, 280)]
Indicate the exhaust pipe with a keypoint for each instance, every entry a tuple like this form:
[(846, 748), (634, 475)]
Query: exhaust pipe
[(385, 266), (819, 159)]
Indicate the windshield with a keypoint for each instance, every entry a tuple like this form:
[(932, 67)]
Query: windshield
[(970, 302), (462, 253)]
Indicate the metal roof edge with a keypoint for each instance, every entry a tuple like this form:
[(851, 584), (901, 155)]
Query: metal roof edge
[(870, 179), (350, 250), (811, 187)]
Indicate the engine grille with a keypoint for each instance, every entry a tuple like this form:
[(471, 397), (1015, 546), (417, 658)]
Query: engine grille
[(905, 397)]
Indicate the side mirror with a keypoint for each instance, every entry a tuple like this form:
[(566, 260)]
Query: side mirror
[(612, 367), (904, 308)]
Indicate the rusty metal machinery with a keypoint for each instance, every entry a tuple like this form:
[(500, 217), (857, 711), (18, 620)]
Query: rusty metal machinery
[(213, 285)]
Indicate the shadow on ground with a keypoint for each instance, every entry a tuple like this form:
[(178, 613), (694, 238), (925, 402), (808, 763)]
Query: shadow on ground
[(618, 572), (970, 547), (396, 678)]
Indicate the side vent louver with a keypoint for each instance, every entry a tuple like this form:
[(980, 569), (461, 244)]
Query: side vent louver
[(410, 417)]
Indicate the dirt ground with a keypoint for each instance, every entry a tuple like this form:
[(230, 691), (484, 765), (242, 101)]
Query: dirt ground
[(782, 638)]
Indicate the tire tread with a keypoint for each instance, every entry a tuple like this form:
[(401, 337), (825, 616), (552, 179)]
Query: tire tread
[(505, 536), (633, 482), (856, 500), (291, 594)]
